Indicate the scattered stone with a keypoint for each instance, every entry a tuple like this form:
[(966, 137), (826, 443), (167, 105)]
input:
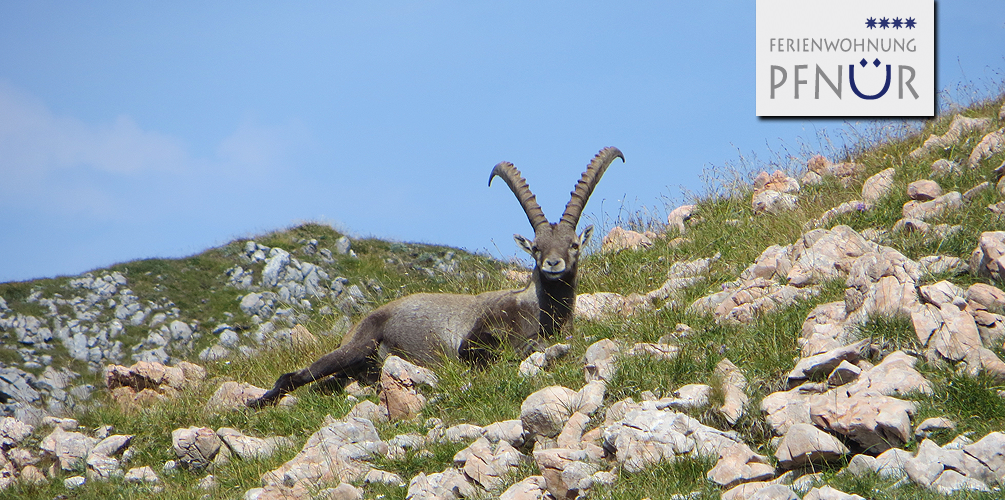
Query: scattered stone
[(598, 305), (828, 493), (845, 208), (773, 202), (734, 383), (112, 445), (463, 432), (68, 448), (208, 483), (645, 437), (236, 395), (13, 431), (623, 239), (656, 350), (447, 485), (369, 410), (942, 264), (739, 464), (74, 482), (875, 421), (140, 475), (377, 476), (398, 388), (600, 357), (195, 447), (988, 259), (530, 488), (546, 411), (804, 444), (336, 452), (825, 363), (843, 374), (960, 126), (975, 191), (32, 475), (250, 448), (933, 208), (878, 186), (932, 425), (533, 365), (511, 431), (486, 466), (678, 216), (990, 145), (924, 190)]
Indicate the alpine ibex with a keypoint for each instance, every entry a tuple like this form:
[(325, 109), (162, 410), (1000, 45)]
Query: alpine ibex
[(426, 326)]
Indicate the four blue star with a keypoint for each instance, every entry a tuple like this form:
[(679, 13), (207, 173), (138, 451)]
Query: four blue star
[(897, 23)]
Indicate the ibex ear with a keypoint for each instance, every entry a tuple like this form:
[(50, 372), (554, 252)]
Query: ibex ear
[(524, 243), (584, 237)]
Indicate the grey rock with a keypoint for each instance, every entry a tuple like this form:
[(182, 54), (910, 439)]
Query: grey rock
[(600, 360), (804, 444), (645, 437), (342, 245), (463, 432), (112, 445), (774, 492), (825, 363), (990, 450), (195, 447), (447, 485), (249, 447), (140, 475), (68, 448), (74, 482), (510, 431), (213, 353), (923, 190), (844, 373), (229, 338), (826, 492), (943, 167), (13, 431), (546, 411), (739, 464), (337, 451), (931, 425), (102, 467), (876, 187)]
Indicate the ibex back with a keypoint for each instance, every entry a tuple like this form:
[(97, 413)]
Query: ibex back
[(424, 327)]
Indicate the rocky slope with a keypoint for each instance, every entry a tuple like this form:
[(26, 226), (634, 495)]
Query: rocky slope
[(838, 335)]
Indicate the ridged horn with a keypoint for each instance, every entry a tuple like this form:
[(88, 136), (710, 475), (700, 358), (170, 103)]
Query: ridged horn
[(584, 188), (519, 186)]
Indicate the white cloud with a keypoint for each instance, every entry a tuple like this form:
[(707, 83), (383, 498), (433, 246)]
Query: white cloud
[(55, 164), (33, 141)]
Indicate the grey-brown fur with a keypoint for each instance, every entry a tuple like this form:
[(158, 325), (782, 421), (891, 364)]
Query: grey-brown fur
[(424, 327)]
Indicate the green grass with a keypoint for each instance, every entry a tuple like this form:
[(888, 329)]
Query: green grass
[(724, 223)]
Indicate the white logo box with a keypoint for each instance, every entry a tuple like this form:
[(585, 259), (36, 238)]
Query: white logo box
[(810, 56)]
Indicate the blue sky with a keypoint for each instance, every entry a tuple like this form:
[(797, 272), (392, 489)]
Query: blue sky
[(138, 129)]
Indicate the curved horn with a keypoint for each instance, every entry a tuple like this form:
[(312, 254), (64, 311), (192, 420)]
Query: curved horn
[(518, 185), (584, 188)]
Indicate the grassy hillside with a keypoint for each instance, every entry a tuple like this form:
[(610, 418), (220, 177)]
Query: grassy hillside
[(765, 350)]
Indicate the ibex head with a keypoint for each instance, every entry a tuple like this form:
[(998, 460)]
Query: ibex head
[(556, 246)]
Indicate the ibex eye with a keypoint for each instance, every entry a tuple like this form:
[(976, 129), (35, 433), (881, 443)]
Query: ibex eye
[(575, 246), (535, 249)]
